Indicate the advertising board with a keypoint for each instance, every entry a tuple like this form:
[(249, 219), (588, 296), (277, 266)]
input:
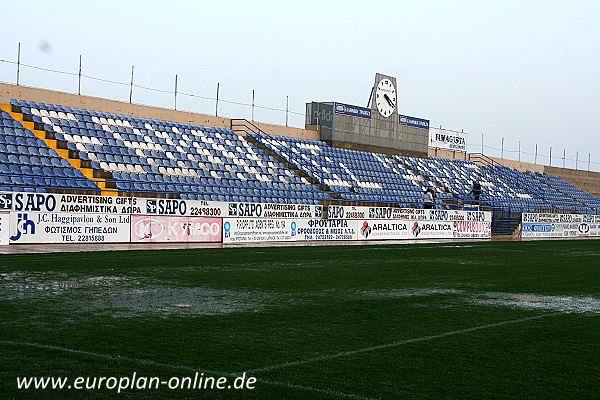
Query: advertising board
[(353, 111), (447, 139), (545, 225), (273, 211), (49, 227), (327, 229), (413, 121), (431, 229), (387, 229), (242, 230), (74, 203), (4, 228), (161, 229), (472, 229)]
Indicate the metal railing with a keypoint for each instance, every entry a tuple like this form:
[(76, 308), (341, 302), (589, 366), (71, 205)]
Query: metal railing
[(80, 79)]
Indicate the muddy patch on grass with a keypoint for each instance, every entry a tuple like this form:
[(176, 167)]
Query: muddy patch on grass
[(412, 292), (529, 301), (183, 301), (123, 296), (32, 285)]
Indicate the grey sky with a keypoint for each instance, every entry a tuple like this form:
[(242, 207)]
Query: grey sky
[(525, 70)]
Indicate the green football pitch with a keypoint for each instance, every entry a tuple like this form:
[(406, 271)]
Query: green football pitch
[(505, 320)]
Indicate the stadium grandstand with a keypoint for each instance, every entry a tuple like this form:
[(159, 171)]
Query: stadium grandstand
[(59, 148), (226, 200)]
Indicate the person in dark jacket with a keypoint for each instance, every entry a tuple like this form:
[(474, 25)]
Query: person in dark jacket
[(476, 191)]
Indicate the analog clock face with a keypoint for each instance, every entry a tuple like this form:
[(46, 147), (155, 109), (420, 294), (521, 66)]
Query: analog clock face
[(385, 97)]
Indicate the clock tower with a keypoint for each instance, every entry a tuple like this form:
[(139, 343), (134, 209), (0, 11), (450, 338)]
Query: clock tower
[(384, 96), (378, 127)]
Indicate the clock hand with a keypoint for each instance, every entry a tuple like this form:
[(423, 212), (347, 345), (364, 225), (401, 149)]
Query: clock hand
[(389, 100)]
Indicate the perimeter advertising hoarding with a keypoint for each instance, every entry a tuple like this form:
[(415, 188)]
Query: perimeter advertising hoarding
[(162, 229), (405, 229), (431, 229), (69, 203), (383, 229), (272, 210), (472, 229), (242, 230), (417, 214), (4, 228), (327, 229), (44, 227), (179, 207), (544, 225), (362, 212)]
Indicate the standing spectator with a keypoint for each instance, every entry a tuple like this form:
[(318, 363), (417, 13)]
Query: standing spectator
[(476, 191), (429, 198)]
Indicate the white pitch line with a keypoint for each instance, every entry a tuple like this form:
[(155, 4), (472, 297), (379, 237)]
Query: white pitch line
[(140, 361), (396, 344)]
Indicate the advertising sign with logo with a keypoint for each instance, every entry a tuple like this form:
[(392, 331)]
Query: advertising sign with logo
[(413, 214), (530, 229), (178, 207), (353, 111), (4, 228), (431, 230), (446, 139), (44, 227), (413, 121), (69, 203), (241, 230), (327, 229), (472, 229), (270, 210), (161, 229), (544, 225), (387, 229)]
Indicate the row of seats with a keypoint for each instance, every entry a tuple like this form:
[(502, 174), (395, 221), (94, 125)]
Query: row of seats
[(153, 156), (366, 176), (28, 164), (196, 162)]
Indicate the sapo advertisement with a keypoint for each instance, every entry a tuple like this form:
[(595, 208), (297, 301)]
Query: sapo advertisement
[(273, 211), (179, 207), (68, 203), (73, 203)]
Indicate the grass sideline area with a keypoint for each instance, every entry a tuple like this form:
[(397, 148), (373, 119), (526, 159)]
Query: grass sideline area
[(506, 320)]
